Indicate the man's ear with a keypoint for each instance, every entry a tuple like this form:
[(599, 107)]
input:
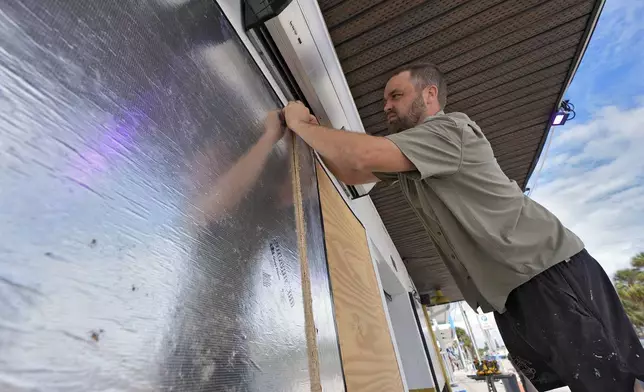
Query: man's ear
[(430, 94)]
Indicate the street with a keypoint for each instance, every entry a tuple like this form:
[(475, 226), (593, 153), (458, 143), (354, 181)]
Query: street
[(465, 384)]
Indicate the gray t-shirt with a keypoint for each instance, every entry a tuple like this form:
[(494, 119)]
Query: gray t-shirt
[(491, 236)]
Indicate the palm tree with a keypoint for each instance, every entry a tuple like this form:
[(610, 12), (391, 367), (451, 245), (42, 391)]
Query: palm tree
[(466, 340), (629, 283)]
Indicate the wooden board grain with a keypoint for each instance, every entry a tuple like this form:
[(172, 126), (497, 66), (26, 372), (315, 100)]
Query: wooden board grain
[(367, 352), (311, 341)]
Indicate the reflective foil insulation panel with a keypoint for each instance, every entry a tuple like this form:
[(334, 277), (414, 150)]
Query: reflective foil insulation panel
[(148, 236)]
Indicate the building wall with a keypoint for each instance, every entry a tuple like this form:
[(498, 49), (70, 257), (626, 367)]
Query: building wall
[(410, 345), (138, 251)]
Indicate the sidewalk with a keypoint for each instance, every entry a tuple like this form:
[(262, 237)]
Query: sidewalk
[(469, 385)]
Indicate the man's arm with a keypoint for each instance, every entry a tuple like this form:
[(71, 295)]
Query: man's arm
[(352, 157), (232, 186)]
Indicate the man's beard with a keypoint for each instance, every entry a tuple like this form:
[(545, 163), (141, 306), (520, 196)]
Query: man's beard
[(411, 119)]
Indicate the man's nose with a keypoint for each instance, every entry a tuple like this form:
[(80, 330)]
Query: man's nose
[(388, 107)]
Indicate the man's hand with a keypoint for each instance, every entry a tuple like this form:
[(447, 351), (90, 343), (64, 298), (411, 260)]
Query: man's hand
[(296, 113), (313, 120), (353, 157), (273, 128)]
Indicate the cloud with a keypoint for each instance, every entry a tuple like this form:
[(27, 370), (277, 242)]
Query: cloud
[(610, 72), (593, 180), (620, 23)]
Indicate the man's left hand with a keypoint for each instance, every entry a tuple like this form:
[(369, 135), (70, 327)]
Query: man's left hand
[(273, 128), (296, 113)]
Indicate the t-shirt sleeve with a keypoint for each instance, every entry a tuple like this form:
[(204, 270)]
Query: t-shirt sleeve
[(387, 178), (434, 147)]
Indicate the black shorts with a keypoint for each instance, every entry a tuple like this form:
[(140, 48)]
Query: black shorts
[(567, 327)]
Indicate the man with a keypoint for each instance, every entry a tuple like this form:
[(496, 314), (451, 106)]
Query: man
[(557, 311)]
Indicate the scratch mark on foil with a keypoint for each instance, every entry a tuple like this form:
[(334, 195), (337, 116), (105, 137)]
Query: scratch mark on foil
[(75, 337), (87, 187), (254, 364), (136, 203), (37, 162), (70, 147), (19, 286), (134, 212)]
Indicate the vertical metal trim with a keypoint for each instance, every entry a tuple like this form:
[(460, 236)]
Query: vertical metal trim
[(448, 387), (232, 11), (412, 302)]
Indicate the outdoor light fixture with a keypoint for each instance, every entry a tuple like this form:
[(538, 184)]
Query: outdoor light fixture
[(566, 112), (560, 118)]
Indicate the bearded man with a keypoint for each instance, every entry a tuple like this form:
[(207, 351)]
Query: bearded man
[(557, 311)]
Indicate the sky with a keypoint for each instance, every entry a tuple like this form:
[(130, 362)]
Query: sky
[(593, 172)]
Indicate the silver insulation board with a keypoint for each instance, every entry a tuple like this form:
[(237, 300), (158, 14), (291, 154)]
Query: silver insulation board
[(148, 242)]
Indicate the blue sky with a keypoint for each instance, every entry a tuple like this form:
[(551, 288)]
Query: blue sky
[(593, 173)]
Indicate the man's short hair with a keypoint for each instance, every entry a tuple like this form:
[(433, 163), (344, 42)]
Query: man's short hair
[(427, 74)]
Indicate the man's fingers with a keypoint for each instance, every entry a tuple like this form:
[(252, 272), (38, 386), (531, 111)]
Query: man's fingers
[(282, 118)]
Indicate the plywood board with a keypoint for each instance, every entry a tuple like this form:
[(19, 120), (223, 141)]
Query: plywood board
[(366, 349)]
